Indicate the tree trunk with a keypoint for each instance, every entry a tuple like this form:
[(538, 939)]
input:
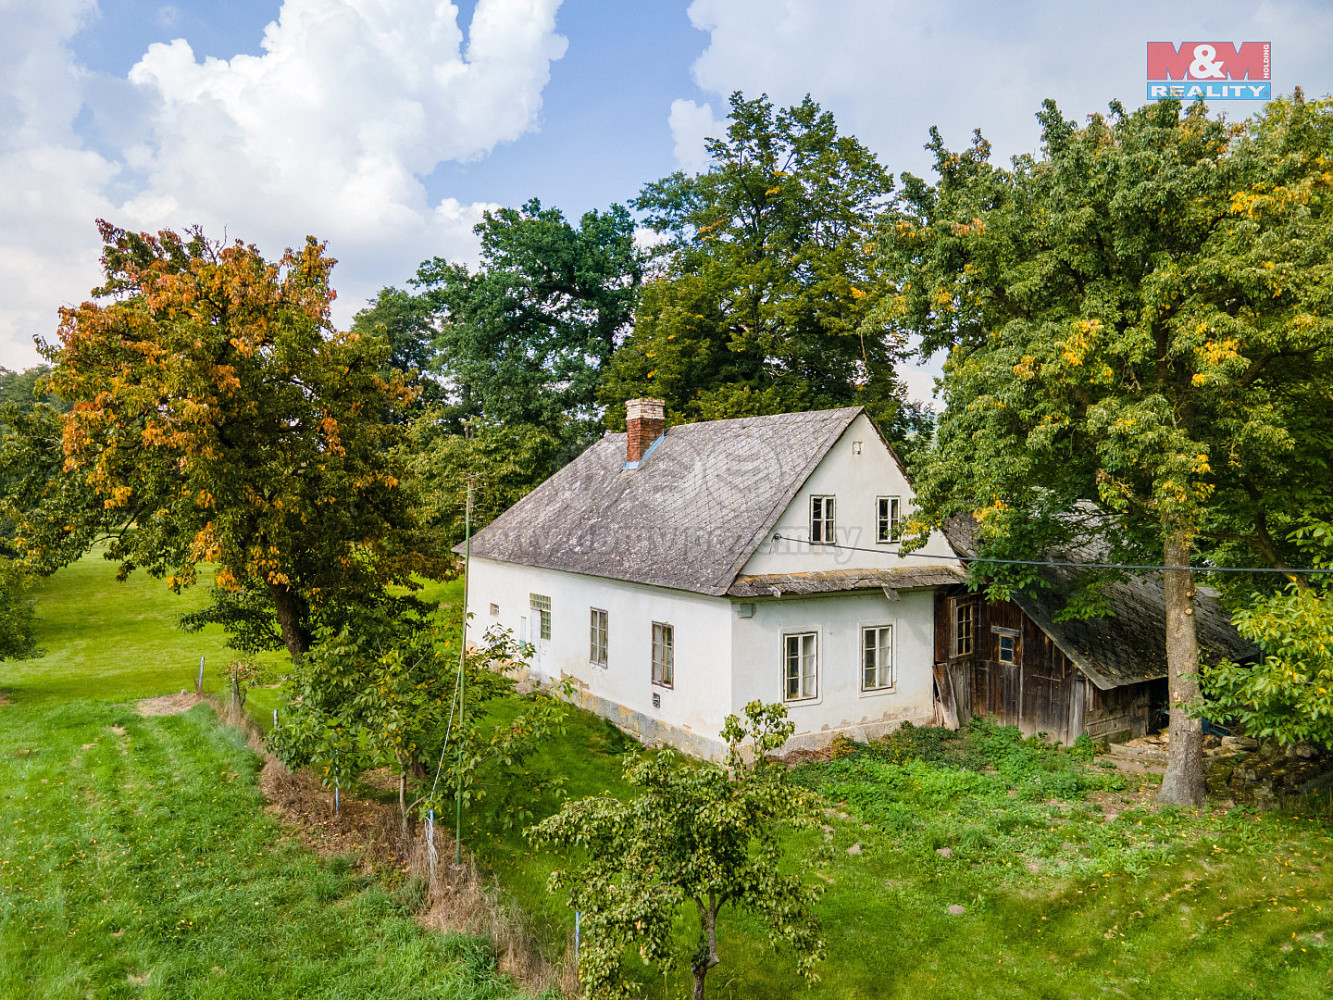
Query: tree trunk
[(707, 957), (287, 608), (1183, 783)]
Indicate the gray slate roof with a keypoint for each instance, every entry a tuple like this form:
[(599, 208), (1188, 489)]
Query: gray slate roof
[(1128, 644), (839, 580), (688, 518)]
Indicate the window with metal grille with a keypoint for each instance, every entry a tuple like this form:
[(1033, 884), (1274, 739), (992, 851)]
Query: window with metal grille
[(876, 657), (800, 666), (664, 654), (597, 637), (888, 519), (962, 628), (541, 604), (821, 519)]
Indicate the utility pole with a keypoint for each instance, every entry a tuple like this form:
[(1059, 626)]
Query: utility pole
[(462, 655)]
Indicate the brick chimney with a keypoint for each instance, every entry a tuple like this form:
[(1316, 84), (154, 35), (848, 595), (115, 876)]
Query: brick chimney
[(643, 426)]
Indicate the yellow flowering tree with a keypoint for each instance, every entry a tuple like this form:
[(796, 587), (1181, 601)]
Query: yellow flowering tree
[(1140, 349)]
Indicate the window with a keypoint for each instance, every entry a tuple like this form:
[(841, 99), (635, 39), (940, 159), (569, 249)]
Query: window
[(800, 666), (876, 657), (1006, 644), (888, 519), (495, 611), (541, 604), (962, 628), (664, 654), (597, 637), (821, 519)]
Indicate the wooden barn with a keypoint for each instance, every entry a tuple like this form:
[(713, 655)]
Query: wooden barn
[(1013, 662)]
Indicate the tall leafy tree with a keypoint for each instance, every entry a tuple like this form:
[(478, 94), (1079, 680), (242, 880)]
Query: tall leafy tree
[(406, 324), (1138, 325), (767, 302), (218, 417), (524, 337)]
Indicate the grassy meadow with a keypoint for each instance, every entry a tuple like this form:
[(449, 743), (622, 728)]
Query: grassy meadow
[(136, 857), (137, 860)]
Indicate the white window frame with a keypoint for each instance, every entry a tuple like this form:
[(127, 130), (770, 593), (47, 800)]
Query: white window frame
[(541, 604), (823, 518), (958, 638), (664, 655), (885, 675), (599, 633), (888, 519), (807, 679)]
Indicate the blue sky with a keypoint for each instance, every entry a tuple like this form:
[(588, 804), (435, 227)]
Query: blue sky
[(387, 127)]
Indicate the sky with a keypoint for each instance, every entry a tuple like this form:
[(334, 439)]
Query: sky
[(387, 127)]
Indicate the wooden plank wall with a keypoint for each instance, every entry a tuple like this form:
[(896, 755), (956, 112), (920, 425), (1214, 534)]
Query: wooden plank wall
[(1044, 691)]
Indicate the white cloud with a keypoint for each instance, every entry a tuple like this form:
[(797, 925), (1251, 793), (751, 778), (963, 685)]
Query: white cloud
[(889, 69), (328, 132), (691, 124)]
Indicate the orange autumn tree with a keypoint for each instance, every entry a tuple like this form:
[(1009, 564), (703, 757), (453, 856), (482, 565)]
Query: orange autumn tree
[(217, 417)]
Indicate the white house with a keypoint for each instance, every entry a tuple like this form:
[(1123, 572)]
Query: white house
[(678, 575)]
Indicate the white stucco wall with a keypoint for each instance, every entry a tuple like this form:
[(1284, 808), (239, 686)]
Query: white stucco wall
[(697, 703), (841, 705), (856, 480), (724, 660)]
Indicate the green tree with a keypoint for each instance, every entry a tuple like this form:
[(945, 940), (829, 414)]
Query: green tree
[(524, 338), (382, 691), (1288, 694), (504, 462), (1137, 323), (406, 323), (217, 417), (767, 301), (698, 835)]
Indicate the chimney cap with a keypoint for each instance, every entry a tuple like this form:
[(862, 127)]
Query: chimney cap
[(644, 408)]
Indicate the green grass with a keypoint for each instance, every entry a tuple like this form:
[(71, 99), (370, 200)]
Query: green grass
[(144, 864), (1072, 884), (107, 639)]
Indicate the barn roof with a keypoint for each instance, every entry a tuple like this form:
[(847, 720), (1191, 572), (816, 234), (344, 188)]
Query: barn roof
[(1128, 643), (688, 517)]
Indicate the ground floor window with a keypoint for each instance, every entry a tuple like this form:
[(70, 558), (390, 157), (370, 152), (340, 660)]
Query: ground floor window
[(541, 607), (800, 666), (664, 654), (597, 637), (876, 657)]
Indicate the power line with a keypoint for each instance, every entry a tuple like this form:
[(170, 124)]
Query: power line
[(1062, 565)]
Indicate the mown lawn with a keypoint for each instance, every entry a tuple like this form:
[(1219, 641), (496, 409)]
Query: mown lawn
[(136, 856)]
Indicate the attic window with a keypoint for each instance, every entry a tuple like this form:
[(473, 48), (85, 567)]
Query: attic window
[(821, 519), (856, 447), (888, 519)]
